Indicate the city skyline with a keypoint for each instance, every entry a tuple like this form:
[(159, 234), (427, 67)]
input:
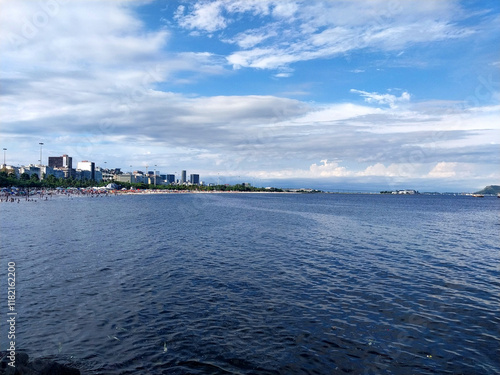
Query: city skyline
[(62, 167), (400, 94)]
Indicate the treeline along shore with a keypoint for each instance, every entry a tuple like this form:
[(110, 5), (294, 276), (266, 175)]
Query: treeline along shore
[(25, 185)]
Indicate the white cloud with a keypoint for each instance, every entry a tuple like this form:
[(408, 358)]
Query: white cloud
[(283, 75), (330, 114), (323, 170), (285, 9), (251, 38), (254, 7), (391, 100), (205, 16), (242, 59), (327, 169), (74, 34), (444, 170), (399, 170), (394, 174), (462, 171)]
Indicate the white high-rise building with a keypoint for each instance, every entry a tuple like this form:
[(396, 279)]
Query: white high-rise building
[(88, 166)]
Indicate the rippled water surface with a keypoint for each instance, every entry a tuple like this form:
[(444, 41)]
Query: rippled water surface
[(257, 283)]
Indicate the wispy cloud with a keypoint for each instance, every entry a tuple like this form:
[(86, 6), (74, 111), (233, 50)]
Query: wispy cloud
[(391, 100), (319, 30)]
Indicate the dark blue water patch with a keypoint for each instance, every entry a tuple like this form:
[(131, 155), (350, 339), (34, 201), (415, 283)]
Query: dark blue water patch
[(258, 283)]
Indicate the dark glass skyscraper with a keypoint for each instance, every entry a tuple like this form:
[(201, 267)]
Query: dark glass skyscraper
[(60, 162), (64, 163), (194, 179)]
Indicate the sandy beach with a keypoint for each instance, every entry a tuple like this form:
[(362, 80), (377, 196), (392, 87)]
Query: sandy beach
[(43, 195)]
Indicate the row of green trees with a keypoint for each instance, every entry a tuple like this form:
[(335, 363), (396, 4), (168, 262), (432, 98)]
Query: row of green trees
[(52, 182)]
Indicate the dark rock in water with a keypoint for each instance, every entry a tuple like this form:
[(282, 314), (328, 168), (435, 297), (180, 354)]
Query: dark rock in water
[(24, 366)]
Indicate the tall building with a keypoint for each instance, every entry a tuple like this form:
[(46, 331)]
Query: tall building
[(194, 179), (64, 163), (183, 178), (87, 166), (170, 178)]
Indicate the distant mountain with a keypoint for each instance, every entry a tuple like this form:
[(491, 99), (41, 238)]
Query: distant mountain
[(492, 189)]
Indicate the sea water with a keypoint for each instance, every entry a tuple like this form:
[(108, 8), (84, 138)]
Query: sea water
[(256, 283)]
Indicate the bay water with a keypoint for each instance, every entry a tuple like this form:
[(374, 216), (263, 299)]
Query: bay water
[(256, 283)]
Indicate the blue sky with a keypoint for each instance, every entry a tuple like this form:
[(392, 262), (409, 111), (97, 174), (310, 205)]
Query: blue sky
[(328, 94)]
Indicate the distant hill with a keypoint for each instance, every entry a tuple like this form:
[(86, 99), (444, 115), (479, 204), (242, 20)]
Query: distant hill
[(492, 189)]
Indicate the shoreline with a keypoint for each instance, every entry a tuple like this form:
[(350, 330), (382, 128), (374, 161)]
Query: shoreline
[(51, 194), (45, 195), (159, 191)]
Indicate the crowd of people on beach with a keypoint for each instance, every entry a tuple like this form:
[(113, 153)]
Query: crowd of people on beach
[(13, 195)]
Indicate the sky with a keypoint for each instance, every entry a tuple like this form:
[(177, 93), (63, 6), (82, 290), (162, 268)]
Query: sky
[(335, 95)]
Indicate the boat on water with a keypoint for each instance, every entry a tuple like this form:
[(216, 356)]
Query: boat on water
[(478, 195)]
